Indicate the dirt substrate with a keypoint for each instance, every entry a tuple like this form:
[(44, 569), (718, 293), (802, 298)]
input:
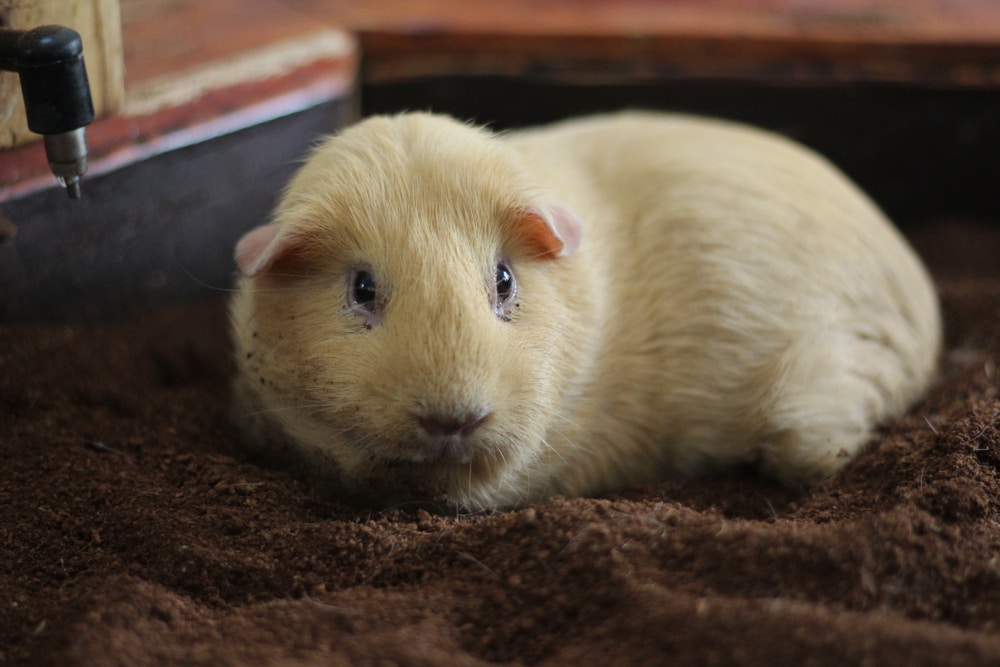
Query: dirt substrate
[(129, 535)]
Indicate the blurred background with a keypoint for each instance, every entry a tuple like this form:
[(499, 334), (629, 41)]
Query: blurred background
[(203, 110)]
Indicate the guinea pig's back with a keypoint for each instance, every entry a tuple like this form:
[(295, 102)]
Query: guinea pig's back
[(750, 284)]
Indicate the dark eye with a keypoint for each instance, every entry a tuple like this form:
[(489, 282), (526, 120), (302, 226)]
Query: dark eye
[(363, 290), (506, 290), (505, 283), (363, 298)]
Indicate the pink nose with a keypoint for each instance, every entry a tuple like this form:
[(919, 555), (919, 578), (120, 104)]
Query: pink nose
[(445, 425)]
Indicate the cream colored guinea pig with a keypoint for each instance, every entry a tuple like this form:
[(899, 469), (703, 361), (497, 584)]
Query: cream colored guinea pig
[(442, 313)]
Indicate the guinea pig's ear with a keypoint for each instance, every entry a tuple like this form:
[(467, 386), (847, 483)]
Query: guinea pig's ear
[(261, 248), (554, 231)]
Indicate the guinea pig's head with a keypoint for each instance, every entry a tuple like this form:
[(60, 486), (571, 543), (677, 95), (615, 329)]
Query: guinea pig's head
[(406, 320)]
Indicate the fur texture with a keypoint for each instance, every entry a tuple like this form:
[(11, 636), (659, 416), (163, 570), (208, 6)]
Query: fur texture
[(733, 299)]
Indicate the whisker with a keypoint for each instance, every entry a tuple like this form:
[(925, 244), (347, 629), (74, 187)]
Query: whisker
[(570, 443), (206, 285), (554, 450)]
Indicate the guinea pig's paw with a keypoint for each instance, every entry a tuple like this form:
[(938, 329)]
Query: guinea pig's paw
[(824, 396), (552, 230), (820, 418), (800, 458)]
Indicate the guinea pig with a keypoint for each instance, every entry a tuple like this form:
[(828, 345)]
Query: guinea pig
[(483, 320)]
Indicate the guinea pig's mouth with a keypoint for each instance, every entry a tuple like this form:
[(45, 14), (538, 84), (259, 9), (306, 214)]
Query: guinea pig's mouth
[(447, 470), (445, 452), (441, 463), (441, 485)]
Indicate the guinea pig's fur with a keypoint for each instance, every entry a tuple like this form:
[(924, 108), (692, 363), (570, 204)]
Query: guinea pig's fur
[(691, 294)]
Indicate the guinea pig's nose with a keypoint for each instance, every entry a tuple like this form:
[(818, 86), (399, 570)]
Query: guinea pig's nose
[(445, 425)]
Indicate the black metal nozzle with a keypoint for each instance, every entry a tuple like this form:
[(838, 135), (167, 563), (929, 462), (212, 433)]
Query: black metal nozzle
[(49, 62)]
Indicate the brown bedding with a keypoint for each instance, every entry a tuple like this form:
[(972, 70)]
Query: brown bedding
[(130, 534)]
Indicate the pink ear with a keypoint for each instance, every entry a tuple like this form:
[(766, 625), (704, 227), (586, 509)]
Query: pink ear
[(261, 248), (555, 231)]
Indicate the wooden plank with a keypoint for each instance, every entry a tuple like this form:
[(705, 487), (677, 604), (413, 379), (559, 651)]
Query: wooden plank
[(178, 50), (122, 139), (885, 21), (602, 59), (936, 42), (198, 70), (99, 25), (172, 38)]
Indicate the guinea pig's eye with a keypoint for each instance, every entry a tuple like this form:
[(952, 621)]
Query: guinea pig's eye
[(505, 283), (362, 297), (506, 290), (363, 289)]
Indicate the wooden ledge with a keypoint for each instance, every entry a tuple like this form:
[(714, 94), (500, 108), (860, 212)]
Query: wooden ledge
[(203, 114), (196, 69), (922, 42)]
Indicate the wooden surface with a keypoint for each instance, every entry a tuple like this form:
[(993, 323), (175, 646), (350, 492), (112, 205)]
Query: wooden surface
[(197, 70), (888, 21), (173, 41), (99, 25), (177, 52), (937, 42), (122, 139)]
